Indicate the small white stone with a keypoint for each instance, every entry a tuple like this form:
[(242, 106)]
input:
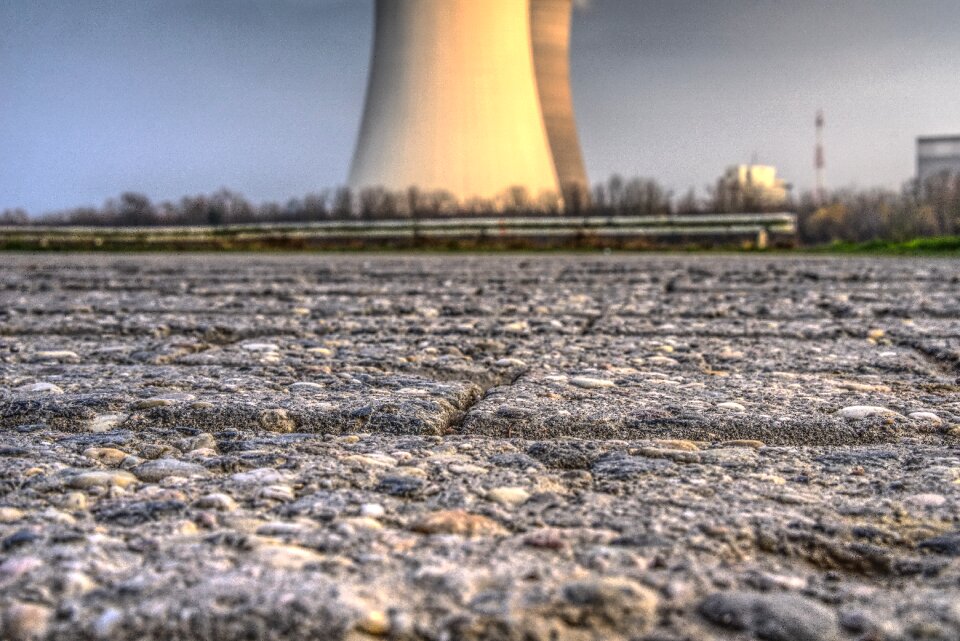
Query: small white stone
[(281, 528), (106, 623), (413, 391), (306, 388), (926, 500), (586, 382), (217, 501), (40, 388), (260, 347), (926, 417), (259, 476), (517, 327), (10, 515), (866, 411), (508, 496), (280, 493), (61, 355), (374, 623), (160, 469), (372, 510), (74, 584), (733, 407), (350, 524), (467, 468), (510, 362), (105, 422), (287, 557), (373, 459), (100, 478)]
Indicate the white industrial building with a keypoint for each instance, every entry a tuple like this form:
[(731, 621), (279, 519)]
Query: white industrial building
[(937, 155)]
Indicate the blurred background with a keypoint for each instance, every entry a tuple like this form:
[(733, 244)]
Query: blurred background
[(698, 98)]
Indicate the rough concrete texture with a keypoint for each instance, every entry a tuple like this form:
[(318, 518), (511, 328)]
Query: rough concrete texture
[(505, 447)]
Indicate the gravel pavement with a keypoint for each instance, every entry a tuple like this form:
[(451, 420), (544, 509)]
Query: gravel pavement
[(520, 448)]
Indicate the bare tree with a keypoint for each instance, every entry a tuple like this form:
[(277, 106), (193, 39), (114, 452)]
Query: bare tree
[(14, 217)]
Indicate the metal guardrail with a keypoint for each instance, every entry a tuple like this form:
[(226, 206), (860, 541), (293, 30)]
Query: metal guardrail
[(780, 219), (757, 226)]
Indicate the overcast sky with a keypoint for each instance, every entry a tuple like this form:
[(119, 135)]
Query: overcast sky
[(175, 97)]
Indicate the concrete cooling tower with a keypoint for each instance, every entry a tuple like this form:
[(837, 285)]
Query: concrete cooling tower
[(471, 97)]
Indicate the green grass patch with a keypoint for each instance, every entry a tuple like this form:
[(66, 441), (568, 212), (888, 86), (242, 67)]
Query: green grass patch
[(946, 245)]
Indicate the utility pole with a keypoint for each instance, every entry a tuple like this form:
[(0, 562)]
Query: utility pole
[(820, 160)]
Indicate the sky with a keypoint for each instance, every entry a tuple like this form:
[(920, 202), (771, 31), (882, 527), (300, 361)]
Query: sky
[(178, 97)]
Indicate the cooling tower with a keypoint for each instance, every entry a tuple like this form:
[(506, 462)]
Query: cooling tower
[(453, 102), (550, 26)]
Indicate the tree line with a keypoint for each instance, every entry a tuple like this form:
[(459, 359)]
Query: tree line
[(917, 210)]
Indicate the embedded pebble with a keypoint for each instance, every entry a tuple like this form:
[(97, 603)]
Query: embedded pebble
[(772, 617), (375, 623), (277, 420), (306, 388), (10, 514), (61, 355), (40, 388), (217, 501), (15, 567), (866, 411), (105, 455), (106, 422), (733, 407), (75, 584), (372, 510), (76, 501), (927, 500), (153, 471), (26, 622), (375, 460), (100, 478), (277, 493), (286, 557), (259, 476), (106, 624), (401, 485), (457, 522), (617, 604), (587, 382), (260, 347), (508, 496)]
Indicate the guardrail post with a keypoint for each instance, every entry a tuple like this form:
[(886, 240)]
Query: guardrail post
[(763, 238)]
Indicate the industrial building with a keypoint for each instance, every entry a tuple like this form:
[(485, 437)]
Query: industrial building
[(752, 186), (470, 98), (937, 155)]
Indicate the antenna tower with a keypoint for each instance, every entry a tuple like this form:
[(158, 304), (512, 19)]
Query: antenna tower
[(820, 159)]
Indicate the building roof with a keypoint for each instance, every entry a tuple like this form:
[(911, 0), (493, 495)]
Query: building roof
[(955, 138)]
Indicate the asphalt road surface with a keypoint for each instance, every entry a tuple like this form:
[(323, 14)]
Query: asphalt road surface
[(524, 448)]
